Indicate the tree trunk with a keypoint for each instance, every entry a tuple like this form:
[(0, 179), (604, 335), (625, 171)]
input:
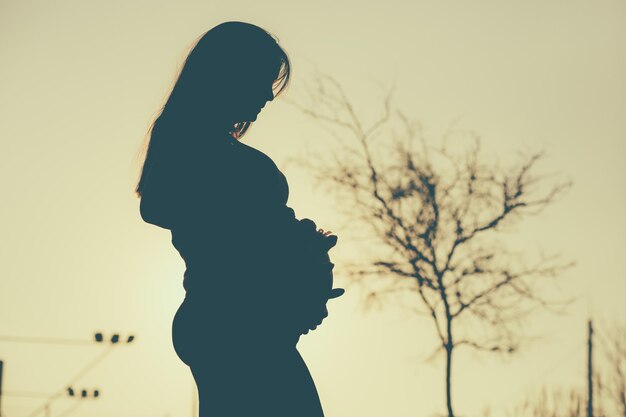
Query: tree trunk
[(449, 379)]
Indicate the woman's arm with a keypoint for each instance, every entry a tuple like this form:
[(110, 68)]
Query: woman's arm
[(189, 185)]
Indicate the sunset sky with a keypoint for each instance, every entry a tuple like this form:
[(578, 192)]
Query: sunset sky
[(80, 83)]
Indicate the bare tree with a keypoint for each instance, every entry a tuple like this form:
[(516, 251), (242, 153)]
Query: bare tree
[(552, 403), (435, 211)]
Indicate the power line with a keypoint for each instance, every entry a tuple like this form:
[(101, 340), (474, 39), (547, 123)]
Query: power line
[(45, 340), (26, 394), (76, 377)]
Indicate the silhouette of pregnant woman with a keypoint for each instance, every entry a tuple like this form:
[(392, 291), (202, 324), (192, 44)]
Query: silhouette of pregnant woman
[(256, 277)]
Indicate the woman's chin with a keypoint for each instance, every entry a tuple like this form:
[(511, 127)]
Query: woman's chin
[(250, 117)]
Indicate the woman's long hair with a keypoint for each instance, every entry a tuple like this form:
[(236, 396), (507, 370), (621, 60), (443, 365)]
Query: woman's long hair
[(212, 82)]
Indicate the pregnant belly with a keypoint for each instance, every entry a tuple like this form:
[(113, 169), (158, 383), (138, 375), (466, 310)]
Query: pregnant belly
[(205, 328)]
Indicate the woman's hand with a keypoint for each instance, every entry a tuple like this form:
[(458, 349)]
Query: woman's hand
[(324, 233), (313, 270)]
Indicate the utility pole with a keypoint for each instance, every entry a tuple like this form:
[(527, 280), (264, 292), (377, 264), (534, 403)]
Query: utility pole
[(1, 369), (590, 369)]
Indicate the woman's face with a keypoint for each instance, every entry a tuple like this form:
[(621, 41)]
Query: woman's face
[(254, 88)]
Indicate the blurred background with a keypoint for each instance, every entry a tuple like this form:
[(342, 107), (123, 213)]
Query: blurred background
[(81, 83)]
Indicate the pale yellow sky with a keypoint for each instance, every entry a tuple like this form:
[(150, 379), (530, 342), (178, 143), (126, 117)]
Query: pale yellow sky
[(81, 81)]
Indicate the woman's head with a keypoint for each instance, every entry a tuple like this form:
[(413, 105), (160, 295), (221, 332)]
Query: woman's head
[(228, 76), (230, 73)]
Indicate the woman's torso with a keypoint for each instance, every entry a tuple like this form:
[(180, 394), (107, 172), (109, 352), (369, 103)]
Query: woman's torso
[(232, 252), (232, 232)]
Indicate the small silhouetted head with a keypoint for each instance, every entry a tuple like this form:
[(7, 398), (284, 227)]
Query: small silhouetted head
[(229, 75)]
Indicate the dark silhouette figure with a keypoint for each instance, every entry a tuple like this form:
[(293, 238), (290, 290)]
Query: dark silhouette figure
[(256, 277)]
